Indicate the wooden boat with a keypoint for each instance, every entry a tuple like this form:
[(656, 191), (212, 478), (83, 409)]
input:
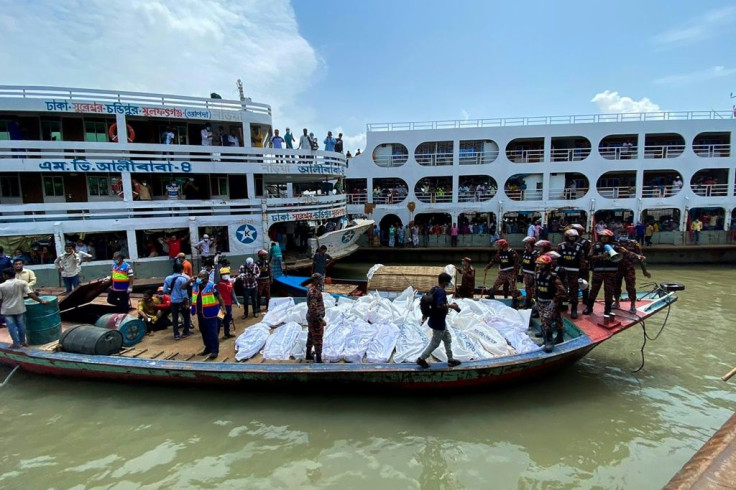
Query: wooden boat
[(158, 359)]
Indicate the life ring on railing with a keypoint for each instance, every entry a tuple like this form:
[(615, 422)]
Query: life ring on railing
[(113, 133)]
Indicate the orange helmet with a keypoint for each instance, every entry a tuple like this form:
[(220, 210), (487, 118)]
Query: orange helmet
[(544, 260), (606, 232), (503, 244)]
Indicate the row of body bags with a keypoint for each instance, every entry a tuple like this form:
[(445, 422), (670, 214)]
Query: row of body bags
[(375, 329)]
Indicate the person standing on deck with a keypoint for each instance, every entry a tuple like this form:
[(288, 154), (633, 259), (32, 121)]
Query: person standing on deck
[(436, 321), (12, 293), (572, 261), (315, 318), (584, 273), (275, 257), (627, 272), (265, 279), (330, 142), (696, 227), (176, 285), (174, 244), (604, 271), (467, 288), (289, 139), (206, 304), (122, 283), (321, 261), (70, 266), (225, 288), (550, 293), (249, 275), (508, 265), (528, 268), (23, 274)]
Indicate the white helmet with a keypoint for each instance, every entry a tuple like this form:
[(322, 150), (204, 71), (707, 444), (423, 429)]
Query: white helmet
[(572, 232), (582, 284)]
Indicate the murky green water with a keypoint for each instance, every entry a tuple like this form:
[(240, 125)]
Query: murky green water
[(593, 425)]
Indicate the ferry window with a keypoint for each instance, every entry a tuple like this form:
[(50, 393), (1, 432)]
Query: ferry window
[(9, 186), (51, 130), (218, 186), (95, 131), (53, 186), (4, 132), (98, 186)]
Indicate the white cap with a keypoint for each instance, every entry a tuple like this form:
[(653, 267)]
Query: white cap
[(249, 261), (205, 236)]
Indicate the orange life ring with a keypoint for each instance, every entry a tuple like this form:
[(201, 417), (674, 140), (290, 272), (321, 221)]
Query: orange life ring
[(113, 133)]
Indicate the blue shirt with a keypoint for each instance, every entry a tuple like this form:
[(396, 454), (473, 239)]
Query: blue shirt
[(330, 143), (437, 322), (176, 286), (5, 262), (277, 141)]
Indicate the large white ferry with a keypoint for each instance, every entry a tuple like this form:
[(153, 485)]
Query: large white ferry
[(92, 166), (667, 167)]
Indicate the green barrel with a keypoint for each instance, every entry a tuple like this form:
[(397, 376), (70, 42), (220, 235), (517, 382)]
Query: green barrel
[(92, 340), (132, 328), (43, 322)]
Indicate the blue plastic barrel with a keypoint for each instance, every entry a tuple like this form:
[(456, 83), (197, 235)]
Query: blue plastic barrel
[(132, 328), (43, 322)]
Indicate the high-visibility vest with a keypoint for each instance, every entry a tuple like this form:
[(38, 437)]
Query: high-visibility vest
[(120, 277), (210, 304)]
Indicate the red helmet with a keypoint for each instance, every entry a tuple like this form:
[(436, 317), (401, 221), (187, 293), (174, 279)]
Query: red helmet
[(606, 232), (262, 253), (544, 260), (503, 244)]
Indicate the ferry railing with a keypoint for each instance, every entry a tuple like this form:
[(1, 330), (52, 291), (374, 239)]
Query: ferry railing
[(357, 199), (663, 151), (713, 151), (525, 156), (137, 152), (524, 195), (618, 192), (434, 159), (477, 158), (475, 197), (550, 120), (122, 97), (388, 199), (566, 193), (710, 190), (569, 154), (433, 197), (618, 152), (72, 211), (659, 191), (391, 160)]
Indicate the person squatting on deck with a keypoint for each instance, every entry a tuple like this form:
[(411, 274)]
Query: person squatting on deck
[(12, 293), (249, 275), (315, 318), (176, 285), (508, 265), (604, 271), (528, 269), (572, 261), (122, 283), (265, 279), (227, 293), (437, 323), (206, 304), (152, 316), (627, 271), (467, 288), (550, 293)]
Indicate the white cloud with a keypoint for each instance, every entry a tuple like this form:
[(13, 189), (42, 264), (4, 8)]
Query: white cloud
[(696, 76), (187, 47), (613, 102), (464, 114), (352, 142), (710, 24)]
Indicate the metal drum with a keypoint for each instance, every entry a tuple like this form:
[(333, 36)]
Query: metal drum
[(89, 339), (43, 322), (132, 328)]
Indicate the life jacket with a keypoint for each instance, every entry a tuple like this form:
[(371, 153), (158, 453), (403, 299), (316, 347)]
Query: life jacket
[(120, 277), (506, 260), (571, 253), (585, 244), (603, 265), (265, 268), (210, 305), (545, 286), (527, 261)]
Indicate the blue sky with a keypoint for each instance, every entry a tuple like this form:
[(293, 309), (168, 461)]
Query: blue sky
[(338, 65)]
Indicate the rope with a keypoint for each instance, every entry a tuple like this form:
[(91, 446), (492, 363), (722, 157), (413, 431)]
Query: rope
[(646, 335), (7, 378)]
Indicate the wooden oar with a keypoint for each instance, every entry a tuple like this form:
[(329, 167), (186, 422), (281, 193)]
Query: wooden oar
[(729, 375)]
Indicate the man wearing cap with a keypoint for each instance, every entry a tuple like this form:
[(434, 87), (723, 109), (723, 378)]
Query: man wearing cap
[(467, 287), (315, 318), (528, 269), (549, 293), (206, 304), (320, 261), (204, 246), (249, 275), (225, 288), (604, 271), (572, 261), (186, 266), (508, 265), (264, 279), (627, 271)]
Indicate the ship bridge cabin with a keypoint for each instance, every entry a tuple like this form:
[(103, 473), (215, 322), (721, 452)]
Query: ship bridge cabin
[(125, 167), (569, 167)]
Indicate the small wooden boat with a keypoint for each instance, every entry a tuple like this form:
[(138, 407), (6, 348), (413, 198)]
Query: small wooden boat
[(158, 359)]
